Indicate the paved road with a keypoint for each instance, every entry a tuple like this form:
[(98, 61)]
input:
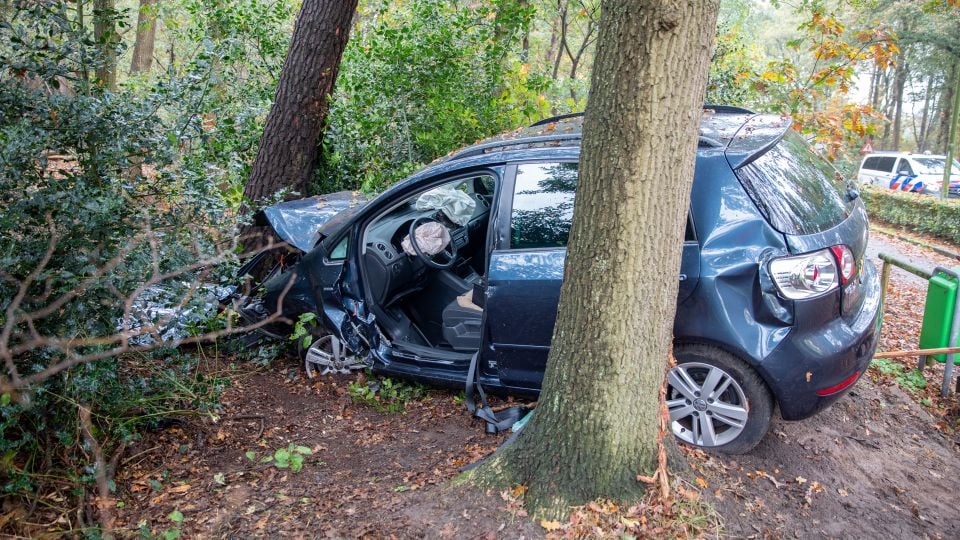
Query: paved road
[(912, 254)]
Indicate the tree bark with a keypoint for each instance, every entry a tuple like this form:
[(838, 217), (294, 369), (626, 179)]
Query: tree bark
[(596, 424), (142, 59), (105, 33), (289, 149)]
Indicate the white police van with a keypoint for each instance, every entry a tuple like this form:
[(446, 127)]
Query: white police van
[(903, 171)]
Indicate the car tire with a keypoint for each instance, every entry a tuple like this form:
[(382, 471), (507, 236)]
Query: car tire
[(714, 421)]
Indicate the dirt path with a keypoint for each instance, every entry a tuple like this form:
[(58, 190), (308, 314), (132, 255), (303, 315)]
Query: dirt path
[(368, 474), (876, 464)]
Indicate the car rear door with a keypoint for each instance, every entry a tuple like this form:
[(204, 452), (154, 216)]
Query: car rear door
[(526, 270)]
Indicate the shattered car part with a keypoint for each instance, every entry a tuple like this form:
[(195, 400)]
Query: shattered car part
[(330, 355), (299, 222), (161, 312)]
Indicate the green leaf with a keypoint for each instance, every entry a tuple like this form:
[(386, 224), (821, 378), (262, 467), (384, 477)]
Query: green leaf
[(220, 478), (303, 450), (251, 455), (296, 463), (5, 399), (176, 516)]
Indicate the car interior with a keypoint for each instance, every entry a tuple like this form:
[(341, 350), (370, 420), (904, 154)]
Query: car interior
[(424, 281)]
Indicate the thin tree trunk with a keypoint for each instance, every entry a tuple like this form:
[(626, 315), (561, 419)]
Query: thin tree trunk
[(596, 423), (142, 59), (946, 111), (902, 70), (525, 43), (105, 33), (921, 134), (562, 9), (289, 148), (553, 40)]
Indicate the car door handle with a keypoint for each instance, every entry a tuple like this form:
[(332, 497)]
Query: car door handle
[(683, 277)]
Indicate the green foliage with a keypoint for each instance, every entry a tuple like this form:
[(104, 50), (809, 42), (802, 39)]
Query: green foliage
[(301, 329), (918, 213), (911, 379), (292, 457), (420, 80), (146, 178), (386, 395)]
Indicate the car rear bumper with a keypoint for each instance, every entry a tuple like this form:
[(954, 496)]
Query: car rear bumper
[(827, 359)]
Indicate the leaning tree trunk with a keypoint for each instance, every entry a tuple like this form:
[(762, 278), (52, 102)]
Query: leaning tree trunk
[(596, 425), (289, 149), (146, 37), (105, 33)]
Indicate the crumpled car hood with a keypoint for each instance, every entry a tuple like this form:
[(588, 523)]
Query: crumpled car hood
[(299, 222)]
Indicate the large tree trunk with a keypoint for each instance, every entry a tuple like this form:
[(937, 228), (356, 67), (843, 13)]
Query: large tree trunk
[(596, 424), (289, 149), (146, 37), (105, 33)]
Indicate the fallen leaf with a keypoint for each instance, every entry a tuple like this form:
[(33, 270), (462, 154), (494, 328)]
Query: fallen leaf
[(702, 483), (183, 488), (550, 525)]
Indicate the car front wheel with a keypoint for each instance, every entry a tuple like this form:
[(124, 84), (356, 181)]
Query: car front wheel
[(716, 401)]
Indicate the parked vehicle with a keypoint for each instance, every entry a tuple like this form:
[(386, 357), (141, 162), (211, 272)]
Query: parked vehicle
[(903, 171), (464, 260)]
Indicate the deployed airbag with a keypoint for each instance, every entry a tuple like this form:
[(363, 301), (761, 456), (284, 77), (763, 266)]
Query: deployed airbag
[(455, 204), (432, 237)]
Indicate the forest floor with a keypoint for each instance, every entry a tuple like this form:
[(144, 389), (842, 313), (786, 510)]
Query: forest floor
[(875, 464)]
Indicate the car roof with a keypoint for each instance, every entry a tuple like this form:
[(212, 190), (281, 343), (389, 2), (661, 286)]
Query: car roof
[(742, 134), (894, 153)]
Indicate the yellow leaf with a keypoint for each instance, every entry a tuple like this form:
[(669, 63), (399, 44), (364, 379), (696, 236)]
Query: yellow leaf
[(550, 525), (702, 483), (180, 489)]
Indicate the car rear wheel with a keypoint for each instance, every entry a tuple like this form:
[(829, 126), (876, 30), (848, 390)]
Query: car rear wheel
[(716, 401)]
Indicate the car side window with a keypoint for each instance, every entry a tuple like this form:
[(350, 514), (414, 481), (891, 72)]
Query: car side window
[(871, 163), (339, 252), (542, 205), (885, 164), (904, 167)]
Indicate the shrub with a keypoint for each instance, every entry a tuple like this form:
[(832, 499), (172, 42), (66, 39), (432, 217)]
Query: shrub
[(917, 213)]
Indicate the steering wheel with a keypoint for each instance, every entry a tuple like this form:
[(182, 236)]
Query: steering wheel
[(450, 251)]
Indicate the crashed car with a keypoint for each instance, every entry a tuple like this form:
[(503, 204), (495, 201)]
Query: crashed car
[(462, 263)]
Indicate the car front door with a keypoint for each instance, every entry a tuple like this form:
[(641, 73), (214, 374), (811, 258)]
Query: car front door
[(526, 270)]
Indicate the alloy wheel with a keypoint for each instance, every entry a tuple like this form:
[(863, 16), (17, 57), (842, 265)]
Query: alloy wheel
[(707, 405)]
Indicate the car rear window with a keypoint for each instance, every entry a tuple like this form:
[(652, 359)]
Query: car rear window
[(796, 190), (877, 163)]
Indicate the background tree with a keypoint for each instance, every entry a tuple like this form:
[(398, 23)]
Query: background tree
[(598, 416), (142, 58), (105, 33), (289, 148)]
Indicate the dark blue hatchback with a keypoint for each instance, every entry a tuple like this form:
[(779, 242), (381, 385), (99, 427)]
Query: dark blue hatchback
[(464, 259)]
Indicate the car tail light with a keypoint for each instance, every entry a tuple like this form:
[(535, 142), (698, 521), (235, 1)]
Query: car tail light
[(839, 387), (805, 276), (848, 266)]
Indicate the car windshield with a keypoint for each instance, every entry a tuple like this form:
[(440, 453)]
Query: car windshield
[(797, 191), (932, 165)]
